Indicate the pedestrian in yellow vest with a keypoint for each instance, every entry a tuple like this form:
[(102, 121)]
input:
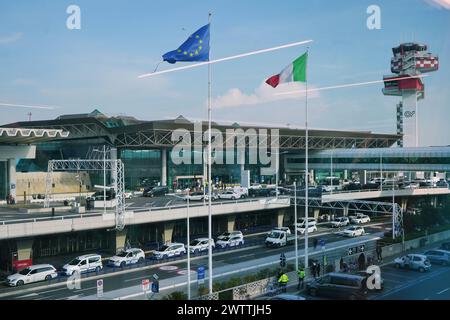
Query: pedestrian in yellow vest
[(301, 278), (283, 280)]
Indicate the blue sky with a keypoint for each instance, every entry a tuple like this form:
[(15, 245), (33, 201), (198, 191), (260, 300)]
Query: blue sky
[(44, 63)]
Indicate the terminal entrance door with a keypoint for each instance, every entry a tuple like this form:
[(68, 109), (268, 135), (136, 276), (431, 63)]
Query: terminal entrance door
[(184, 182)]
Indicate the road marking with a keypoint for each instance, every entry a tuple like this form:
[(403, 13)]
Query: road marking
[(440, 292), (72, 297), (85, 289)]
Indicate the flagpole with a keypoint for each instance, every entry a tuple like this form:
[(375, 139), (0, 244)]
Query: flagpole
[(306, 161), (209, 171)]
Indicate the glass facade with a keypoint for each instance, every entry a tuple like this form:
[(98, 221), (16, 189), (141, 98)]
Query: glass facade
[(142, 167), (3, 180)]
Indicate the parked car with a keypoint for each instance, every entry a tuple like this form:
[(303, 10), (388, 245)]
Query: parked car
[(286, 296), (130, 256), (301, 223), (338, 286), (85, 263), (359, 218), (231, 241), (195, 196), (128, 194), (438, 256), (230, 195), (445, 246), (302, 230), (283, 229), (418, 262), (156, 192), (340, 222), (170, 250), (36, 273), (200, 244), (229, 234), (354, 231), (261, 192)]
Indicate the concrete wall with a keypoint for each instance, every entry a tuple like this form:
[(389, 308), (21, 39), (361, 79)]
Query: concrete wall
[(65, 182), (91, 222)]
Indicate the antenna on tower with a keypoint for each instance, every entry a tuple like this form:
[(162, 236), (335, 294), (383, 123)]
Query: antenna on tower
[(29, 116)]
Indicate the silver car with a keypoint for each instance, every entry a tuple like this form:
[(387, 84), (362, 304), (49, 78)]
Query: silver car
[(418, 262), (438, 256)]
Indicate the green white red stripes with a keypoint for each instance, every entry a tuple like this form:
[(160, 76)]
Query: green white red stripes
[(294, 72)]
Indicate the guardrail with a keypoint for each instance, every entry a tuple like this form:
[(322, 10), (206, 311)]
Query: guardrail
[(150, 209), (384, 189)]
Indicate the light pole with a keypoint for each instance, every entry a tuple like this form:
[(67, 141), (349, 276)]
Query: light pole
[(295, 226), (189, 250)]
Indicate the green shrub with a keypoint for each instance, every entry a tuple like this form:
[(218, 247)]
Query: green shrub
[(177, 295)]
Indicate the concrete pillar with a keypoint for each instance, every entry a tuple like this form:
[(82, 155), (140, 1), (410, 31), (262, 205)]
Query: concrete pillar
[(164, 167), (121, 237), (316, 213), (24, 249), (345, 174), (404, 203), (362, 176), (345, 211), (231, 222), (280, 218), (168, 231), (12, 178)]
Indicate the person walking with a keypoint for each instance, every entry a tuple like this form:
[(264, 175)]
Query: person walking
[(315, 243), (318, 269), (362, 262), (313, 269), (341, 264), (301, 278), (283, 281), (379, 253)]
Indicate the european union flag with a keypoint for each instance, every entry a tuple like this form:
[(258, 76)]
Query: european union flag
[(195, 48)]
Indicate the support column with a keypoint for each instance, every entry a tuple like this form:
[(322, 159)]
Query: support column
[(231, 222), (168, 231), (345, 211), (316, 213), (345, 174), (121, 237), (362, 176), (280, 218), (12, 185), (24, 249), (164, 167), (404, 203), (113, 155)]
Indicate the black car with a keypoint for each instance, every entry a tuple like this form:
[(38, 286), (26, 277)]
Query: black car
[(261, 192), (156, 192), (445, 246), (339, 286)]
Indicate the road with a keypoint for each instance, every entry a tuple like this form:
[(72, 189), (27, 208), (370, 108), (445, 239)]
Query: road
[(227, 261)]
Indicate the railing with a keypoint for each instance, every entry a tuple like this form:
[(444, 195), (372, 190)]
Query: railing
[(387, 188), (151, 209)]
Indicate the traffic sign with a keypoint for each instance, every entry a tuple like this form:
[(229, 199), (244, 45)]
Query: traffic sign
[(155, 286), (282, 260), (145, 285), (201, 275), (100, 288)]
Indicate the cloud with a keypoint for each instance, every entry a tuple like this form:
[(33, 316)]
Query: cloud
[(263, 94), (11, 38), (441, 4)]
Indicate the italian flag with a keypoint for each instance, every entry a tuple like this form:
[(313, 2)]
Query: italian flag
[(296, 71)]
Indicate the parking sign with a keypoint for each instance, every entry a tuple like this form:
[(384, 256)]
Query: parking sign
[(145, 285), (100, 288)]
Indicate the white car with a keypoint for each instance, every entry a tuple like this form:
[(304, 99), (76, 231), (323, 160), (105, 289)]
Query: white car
[(231, 241), (85, 263), (130, 256), (230, 195), (39, 272), (200, 244), (128, 194), (228, 234), (418, 262), (170, 250), (354, 231), (310, 229), (284, 229), (360, 218), (301, 223), (340, 222), (195, 196)]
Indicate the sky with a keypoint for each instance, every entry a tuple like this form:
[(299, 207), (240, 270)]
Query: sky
[(43, 63)]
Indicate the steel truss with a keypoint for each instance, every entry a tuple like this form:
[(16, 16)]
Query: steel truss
[(163, 138), (118, 173), (362, 206)]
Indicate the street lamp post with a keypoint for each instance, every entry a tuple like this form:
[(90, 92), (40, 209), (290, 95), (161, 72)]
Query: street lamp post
[(188, 250), (295, 225)]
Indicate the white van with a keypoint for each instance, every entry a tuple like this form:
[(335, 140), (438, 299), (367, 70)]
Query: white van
[(301, 223), (85, 263)]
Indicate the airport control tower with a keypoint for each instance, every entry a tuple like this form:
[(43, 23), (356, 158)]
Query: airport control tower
[(409, 61)]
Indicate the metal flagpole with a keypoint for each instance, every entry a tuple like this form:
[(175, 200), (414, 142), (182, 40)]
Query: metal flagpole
[(104, 179), (188, 251), (209, 173), (295, 226), (306, 161)]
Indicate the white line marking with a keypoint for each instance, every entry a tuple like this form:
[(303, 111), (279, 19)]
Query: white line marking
[(226, 59), (28, 295), (440, 292)]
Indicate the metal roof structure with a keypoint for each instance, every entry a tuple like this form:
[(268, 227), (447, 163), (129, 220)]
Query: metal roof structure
[(123, 133), (15, 136)]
